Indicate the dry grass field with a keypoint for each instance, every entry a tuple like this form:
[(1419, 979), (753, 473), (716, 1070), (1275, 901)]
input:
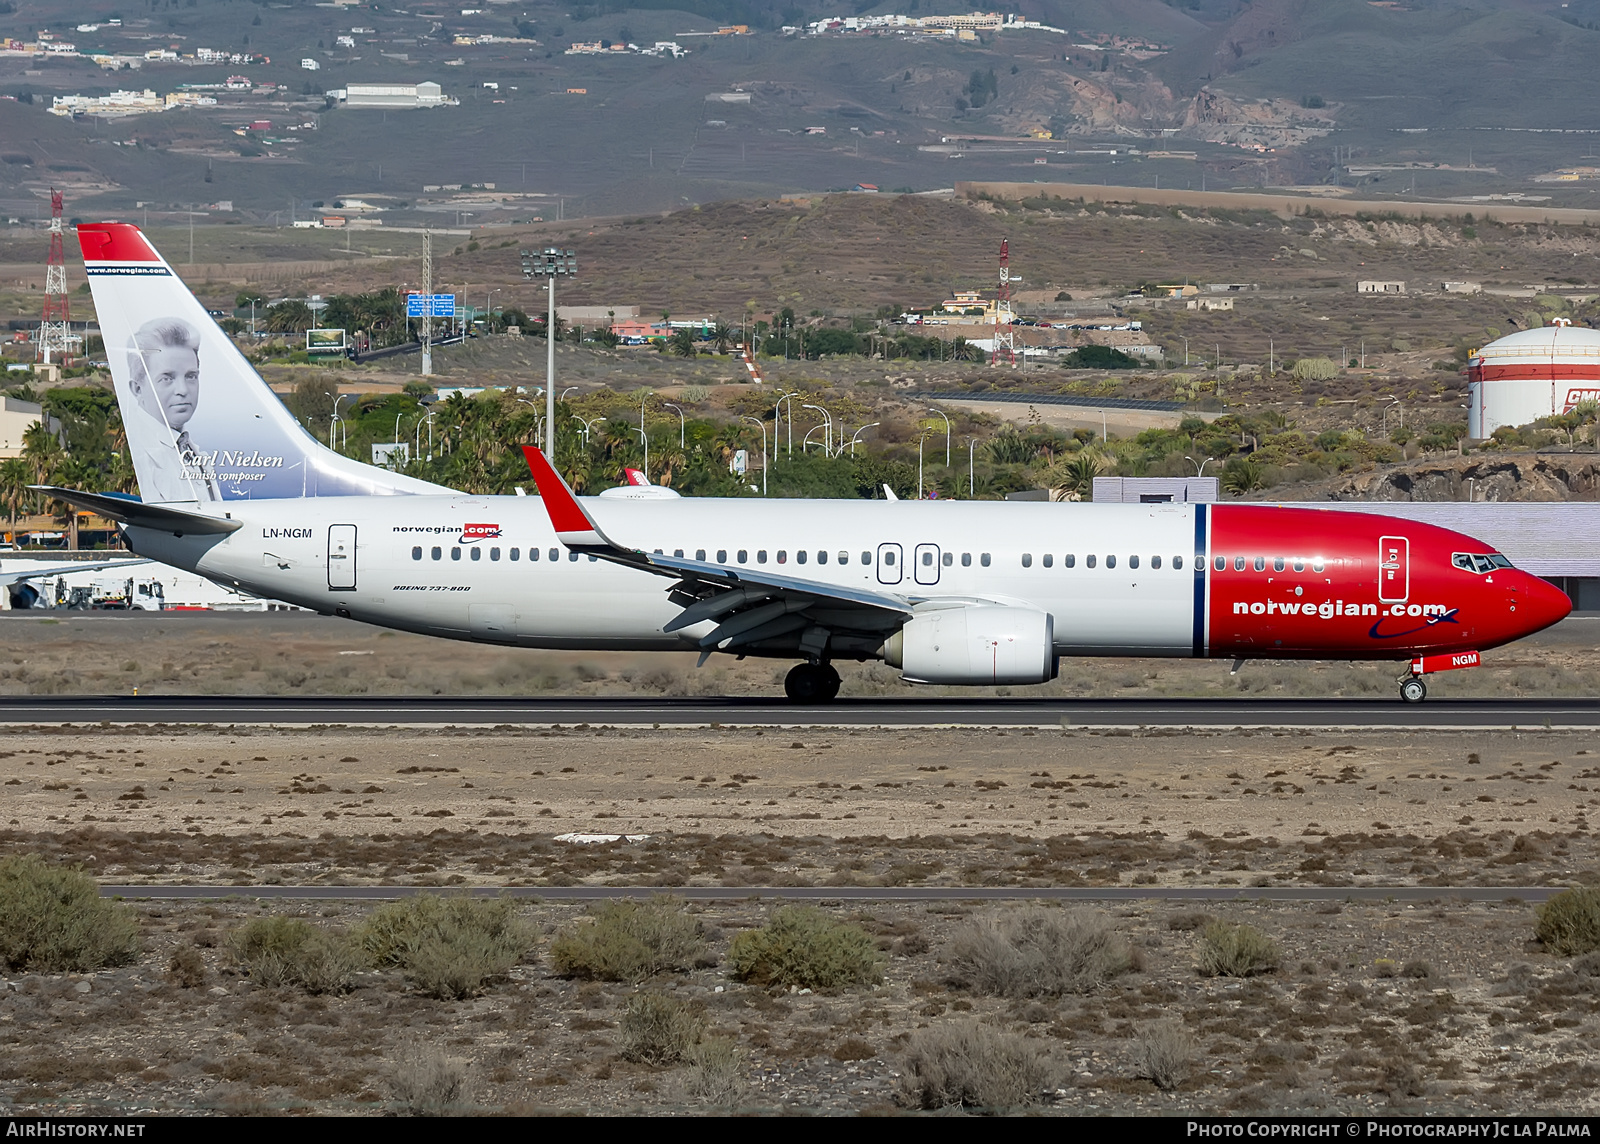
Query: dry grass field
[(1341, 1007)]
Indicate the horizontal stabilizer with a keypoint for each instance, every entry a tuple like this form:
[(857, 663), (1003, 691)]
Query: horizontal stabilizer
[(164, 518)]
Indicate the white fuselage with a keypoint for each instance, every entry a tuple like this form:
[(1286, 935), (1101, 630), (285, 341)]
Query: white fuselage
[(460, 566)]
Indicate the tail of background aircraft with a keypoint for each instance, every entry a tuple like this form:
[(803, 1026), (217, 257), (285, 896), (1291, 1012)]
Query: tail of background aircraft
[(202, 425)]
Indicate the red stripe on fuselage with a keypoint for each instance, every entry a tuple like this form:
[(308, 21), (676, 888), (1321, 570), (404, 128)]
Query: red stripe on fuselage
[(1428, 607)]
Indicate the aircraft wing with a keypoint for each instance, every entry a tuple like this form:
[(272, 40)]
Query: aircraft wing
[(752, 608)]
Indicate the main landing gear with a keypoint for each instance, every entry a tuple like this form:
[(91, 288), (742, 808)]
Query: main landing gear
[(812, 683)]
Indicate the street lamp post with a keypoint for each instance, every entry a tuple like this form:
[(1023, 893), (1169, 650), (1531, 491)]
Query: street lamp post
[(763, 426), (681, 422), (550, 263), (644, 436), (972, 479), (777, 415), (1199, 466), (827, 429), (488, 320), (940, 412), (336, 426), (588, 426), (858, 433)]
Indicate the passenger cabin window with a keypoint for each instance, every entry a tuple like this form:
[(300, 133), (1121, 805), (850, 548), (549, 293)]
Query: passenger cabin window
[(1177, 562), (966, 560), (722, 556), (516, 553), (949, 559), (1133, 562), (761, 556), (1298, 565), (555, 554), (1049, 560), (1316, 565), (866, 558), (983, 558), (783, 556), (678, 552), (699, 553), (799, 556), (1027, 560), (533, 554), (572, 557), (455, 554), (437, 553), (1088, 561), (1155, 562), (1238, 563), (1219, 563), (822, 556), (494, 554), (477, 554), (1277, 564), (744, 555), (416, 553), (1111, 561), (1069, 560), (927, 560), (1261, 563)]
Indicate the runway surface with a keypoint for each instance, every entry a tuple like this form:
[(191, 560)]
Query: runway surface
[(862, 893), (435, 711)]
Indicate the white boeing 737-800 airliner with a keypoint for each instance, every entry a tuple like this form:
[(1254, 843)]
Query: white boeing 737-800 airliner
[(948, 592)]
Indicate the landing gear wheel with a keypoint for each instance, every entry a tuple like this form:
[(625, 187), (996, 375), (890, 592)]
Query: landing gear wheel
[(1413, 690), (811, 683)]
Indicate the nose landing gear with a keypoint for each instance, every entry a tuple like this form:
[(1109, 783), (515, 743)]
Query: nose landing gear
[(812, 683), (1413, 690)]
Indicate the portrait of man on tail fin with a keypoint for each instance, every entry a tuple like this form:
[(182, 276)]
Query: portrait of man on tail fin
[(164, 378)]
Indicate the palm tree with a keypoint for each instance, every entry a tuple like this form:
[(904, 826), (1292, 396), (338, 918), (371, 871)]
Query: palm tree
[(682, 343), (721, 336), (291, 317), (14, 481)]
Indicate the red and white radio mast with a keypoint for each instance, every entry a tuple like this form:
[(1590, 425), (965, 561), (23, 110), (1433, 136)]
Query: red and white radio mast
[(55, 333), (1005, 344)]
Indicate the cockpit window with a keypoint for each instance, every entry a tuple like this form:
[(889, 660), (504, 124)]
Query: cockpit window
[(1475, 562)]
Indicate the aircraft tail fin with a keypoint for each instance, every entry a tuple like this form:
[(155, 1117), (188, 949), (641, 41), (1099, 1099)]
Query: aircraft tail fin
[(201, 423)]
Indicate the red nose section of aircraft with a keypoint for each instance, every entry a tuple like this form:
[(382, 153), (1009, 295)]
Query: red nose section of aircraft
[(1325, 584)]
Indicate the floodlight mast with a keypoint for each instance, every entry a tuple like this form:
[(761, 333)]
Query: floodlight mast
[(548, 264)]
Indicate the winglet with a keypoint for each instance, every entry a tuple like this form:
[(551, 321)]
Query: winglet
[(574, 527)]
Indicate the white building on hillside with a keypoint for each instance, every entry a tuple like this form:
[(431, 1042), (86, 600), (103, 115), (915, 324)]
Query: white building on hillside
[(395, 95)]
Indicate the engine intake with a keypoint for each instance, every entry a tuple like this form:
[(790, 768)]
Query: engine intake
[(975, 645)]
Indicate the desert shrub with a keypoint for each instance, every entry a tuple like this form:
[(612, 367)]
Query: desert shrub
[(279, 951), (971, 1065), (426, 1082), (1164, 1053), (53, 920), (1314, 369), (716, 1072), (630, 940), (1236, 951), (1038, 952), (803, 947), (447, 947), (658, 1030), (1569, 923), (187, 968)]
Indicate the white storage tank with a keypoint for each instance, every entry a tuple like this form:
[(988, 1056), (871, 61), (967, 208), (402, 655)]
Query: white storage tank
[(1532, 374)]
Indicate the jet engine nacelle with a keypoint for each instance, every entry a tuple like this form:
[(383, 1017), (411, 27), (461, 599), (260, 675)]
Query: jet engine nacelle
[(976, 645)]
